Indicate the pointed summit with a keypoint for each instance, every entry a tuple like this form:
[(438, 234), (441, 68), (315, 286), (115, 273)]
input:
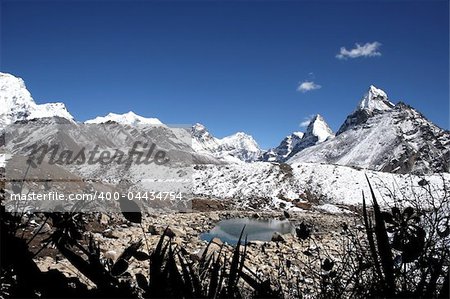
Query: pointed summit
[(375, 99), (198, 127), (317, 132), (318, 128)]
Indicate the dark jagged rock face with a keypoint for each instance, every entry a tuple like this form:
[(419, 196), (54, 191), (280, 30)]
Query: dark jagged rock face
[(425, 147), (358, 117), (284, 150)]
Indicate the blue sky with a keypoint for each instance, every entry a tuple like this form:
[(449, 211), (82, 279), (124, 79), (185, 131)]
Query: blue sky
[(231, 65)]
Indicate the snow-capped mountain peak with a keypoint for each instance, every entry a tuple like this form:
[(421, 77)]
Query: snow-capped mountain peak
[(202, 140), (198, 127), (317, 132), (384, 137), (16, 100), (240, 140), (130, 118), (375, 99), (17, 103), (241, 146), (284, 150), (318, 128), (234, 148)]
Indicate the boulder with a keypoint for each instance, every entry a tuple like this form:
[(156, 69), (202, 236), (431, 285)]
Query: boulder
[(305, 205)]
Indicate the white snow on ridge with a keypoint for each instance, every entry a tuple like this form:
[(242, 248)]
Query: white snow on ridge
[(50, 110), (129, 118)]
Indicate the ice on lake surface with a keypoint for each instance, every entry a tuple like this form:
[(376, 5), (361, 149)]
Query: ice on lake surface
[(255, 229)]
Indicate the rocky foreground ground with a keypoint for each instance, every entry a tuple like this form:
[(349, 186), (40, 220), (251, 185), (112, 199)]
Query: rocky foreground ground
[(284, 260)]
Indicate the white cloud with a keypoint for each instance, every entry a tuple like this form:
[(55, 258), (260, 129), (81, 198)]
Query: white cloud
[(306, 121), (307, 86), (366, 50)]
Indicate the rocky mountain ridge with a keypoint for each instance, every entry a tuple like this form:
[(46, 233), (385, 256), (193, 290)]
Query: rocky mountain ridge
[(377, 135)]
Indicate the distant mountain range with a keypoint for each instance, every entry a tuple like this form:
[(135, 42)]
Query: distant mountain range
[(377, 135)]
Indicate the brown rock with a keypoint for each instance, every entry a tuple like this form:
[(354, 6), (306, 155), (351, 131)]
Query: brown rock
[(303, 205)]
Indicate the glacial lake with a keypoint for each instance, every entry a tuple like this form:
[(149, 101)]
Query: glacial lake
[(256, 229)]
